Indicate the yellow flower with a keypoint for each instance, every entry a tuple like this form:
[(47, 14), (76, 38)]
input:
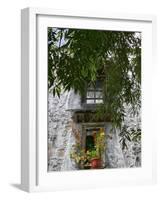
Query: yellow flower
[(102, 134)]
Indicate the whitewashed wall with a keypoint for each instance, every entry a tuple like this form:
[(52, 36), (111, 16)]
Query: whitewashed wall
[(61, 139)]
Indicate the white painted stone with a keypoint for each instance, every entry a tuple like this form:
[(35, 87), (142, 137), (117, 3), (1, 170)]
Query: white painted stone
[(61, 138), (114, 154)]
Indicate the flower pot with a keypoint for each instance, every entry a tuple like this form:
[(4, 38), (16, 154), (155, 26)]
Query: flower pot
[(96, 163)]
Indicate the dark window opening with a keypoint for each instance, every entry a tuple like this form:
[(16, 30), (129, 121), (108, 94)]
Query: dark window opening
[(90, 144), (90, 138)]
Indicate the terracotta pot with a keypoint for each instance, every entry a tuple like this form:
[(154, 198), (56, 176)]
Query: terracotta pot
[(96, 163)]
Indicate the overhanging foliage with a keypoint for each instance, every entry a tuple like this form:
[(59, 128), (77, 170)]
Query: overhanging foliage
[(77, 57)]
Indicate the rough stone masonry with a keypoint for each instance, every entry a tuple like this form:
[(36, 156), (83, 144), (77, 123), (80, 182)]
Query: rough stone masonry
[(61, 139)]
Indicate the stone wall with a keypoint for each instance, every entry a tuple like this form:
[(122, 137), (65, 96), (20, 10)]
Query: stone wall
[(132, 154), (61, 139), (114, 154)]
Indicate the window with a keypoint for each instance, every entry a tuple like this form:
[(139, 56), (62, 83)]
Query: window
[(94, 93)]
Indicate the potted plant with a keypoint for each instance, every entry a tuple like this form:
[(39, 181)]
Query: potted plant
[(80, 157), (91, 158), (78, 154), (95, 160), (96, 154)]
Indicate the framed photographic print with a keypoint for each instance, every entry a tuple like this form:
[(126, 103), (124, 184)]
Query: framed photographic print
[(86, 99)]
